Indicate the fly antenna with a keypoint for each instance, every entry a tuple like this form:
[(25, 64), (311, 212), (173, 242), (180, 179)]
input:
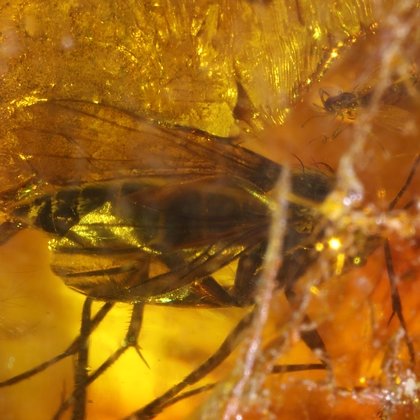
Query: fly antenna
[(300, 161)]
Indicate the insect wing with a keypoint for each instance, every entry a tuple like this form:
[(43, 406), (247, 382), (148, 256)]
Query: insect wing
[(73, 142), (115, 276), (394, 119), (109, 269)]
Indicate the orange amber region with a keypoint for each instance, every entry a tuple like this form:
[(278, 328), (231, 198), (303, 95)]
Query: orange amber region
[(40, 316), (373, 374)]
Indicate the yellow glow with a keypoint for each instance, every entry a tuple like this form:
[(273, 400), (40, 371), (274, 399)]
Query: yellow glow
[(357, 260), (340, 263), (334, 243), (316, 33), (381, 193), (314, 290), (362, 380), (319, 246), (27, 101)]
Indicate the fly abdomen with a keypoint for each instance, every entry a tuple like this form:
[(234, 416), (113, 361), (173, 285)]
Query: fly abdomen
[(211, 210), (197, 215), (57, 213), (51, 213)]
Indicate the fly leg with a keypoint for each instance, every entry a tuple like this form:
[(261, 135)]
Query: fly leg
[(245, 280), (247, 274), (396, 302), (130, 340), (81, 368), (71, 350), (310, 336), (243, 291), (245, 283), (338, 130), (173, 394), (195, 281), (294, 266), (395, 296), (82, 380)]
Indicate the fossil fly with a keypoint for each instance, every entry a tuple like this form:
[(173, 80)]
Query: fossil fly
[(146, 214), (391, 115)]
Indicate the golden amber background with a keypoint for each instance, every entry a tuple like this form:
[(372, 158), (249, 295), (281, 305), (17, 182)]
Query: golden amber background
[(180, 62)]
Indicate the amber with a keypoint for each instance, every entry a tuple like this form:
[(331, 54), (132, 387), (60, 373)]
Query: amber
[(250, 71)]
